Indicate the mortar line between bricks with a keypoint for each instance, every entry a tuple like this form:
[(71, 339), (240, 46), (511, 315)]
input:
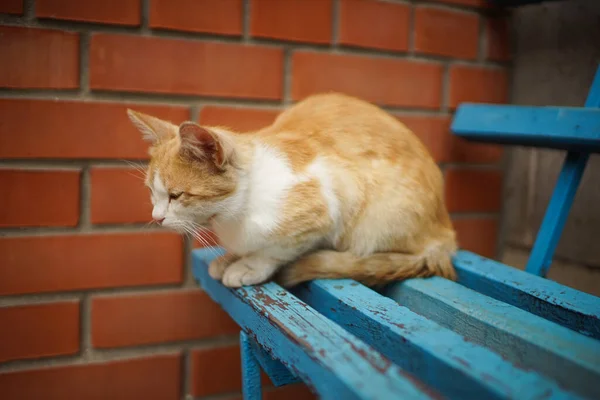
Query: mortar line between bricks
[(335, 23), (29, 10), (287, 77), (445, 106), (186, 368), (102, 355), (145, 17), (85, 321), (58, 230), (280, 44), (66, 296), (188, 277), (84, 59), (85, 200), (127, 98), (246, 20), (411, 29), (194, 114)]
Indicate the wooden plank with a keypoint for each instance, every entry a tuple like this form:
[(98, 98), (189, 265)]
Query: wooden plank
[(334, 363), (556, 213), (251, 384), (276, 371), (440, 357), (555, 302), (576, 129), (573, 360)]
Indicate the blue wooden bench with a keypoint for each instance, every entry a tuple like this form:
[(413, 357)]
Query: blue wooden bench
[(495, 333)]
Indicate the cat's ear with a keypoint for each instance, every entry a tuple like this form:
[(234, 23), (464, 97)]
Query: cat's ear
[(152, 128), (205, 144)]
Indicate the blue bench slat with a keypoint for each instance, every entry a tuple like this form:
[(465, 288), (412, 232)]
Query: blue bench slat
[(567, 128), (438, 356), (330, 360), (573, 360), (251, 384), (276, 371), (568, 307)]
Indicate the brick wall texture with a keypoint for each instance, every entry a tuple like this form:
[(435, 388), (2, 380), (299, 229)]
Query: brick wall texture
[(94, 303)]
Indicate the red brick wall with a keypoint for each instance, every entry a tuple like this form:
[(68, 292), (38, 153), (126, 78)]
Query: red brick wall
[(94, 304)]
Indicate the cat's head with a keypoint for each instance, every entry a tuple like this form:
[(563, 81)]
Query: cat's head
[(192, 174)]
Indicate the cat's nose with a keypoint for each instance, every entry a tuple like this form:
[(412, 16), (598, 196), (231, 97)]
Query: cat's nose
[(159, 220)]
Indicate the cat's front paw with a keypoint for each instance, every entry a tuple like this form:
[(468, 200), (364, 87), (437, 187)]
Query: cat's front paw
[(217, 267), (240, 274)]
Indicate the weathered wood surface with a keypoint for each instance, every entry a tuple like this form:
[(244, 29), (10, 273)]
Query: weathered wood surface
[(251, 384), (440, 357), (573, 360), (278, 372), (333, 362), (568, 128), (550, 300)]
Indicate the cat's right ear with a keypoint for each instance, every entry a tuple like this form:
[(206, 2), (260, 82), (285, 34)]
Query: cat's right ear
[(152, 128)]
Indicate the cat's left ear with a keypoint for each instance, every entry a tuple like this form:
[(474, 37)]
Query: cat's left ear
[(205, 144), (152, 128)]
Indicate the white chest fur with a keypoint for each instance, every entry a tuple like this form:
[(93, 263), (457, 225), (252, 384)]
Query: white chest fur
[(261, 198)]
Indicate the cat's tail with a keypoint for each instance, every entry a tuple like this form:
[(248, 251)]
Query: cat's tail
[(373, 270)]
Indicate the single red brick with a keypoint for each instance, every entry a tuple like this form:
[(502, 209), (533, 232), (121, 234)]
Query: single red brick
[(222, 17), (39, 198), (216, 370), (297, 20), (39, 330), (120, 12), (185, 67), (68, 129), (11, 7), (468, 3), (239, 119), (155, 377), (478, 85), (38, 58), (78, 262), (375, 24), (119, 196), (379, 80), (498, 39), (473, 190), (446, 33), (130, 320), (444, 146), (479, 235)]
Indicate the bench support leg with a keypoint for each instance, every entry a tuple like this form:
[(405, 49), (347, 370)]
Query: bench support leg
[(556, 213), (251, 385)]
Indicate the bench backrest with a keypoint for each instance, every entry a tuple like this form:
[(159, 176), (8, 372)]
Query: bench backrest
[(576, 130)]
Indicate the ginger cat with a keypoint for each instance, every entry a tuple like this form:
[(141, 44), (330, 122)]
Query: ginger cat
[(334, 188)]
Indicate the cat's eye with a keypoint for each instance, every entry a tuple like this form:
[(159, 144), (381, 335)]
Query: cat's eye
[(175, 196)]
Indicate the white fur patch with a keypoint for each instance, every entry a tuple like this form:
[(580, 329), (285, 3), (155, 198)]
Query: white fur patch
[(160, 198), (270, 180)]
